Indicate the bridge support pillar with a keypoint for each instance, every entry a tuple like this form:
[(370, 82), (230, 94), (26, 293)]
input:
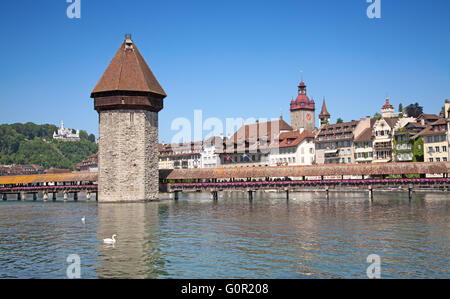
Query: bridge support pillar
[(96, 196), (410, 191), (54, 195), (371, 193), (175, 195), (250, 195), (287, 193), (4, 197), (327, 190), (65, 195), (45, 196), (75, 196), (88, 195), (34, 196), (215, 195), (19, 196)]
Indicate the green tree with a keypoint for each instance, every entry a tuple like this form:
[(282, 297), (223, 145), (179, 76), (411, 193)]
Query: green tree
[(24, 144), (83, 135), (414, 110), (418, 150), (339, 121), (91, 138), (377, 116)]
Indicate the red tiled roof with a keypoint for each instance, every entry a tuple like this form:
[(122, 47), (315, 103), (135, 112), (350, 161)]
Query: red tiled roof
[(431, 131), (128, 71), (324, 113), (333, 129), (258, 131), (391, 122), (302, 101), (293, 139), (365, 136), (428, 116)]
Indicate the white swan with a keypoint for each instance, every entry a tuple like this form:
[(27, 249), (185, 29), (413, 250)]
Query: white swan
[(83, 219), (110, 241)]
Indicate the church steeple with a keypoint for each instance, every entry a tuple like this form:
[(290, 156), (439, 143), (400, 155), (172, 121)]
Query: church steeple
[(324, 116)]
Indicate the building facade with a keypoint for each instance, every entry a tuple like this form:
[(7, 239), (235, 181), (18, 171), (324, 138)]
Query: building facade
[(334, 143), (11, 170), (251, 144), (65, 134), (363, 147), (209, 153), (89, 165), (293, 148), (435, 141)]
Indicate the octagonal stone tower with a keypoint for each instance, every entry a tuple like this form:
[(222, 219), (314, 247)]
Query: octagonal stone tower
[(128, 98)]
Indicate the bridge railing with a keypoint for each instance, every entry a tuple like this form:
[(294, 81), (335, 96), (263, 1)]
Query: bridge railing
[(48, 188), (281, 184)]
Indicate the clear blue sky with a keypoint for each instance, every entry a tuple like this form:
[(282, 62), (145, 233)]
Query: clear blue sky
[(229, 58)]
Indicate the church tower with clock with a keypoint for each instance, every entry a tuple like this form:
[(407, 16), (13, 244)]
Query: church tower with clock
[(303, 110)]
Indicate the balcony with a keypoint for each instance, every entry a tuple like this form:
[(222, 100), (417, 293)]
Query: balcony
[(383, 146)]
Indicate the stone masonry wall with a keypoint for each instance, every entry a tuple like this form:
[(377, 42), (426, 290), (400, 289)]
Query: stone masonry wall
[(128, 156), (298, 120)]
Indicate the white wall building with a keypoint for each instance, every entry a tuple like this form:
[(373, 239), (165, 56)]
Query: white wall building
[(293, 148), (66, 134), (210, 152)]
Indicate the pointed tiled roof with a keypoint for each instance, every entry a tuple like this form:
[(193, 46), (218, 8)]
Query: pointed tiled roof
[(324, 113), (128, 71)]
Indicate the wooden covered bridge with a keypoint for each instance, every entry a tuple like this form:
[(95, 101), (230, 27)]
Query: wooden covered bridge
[(405, 176), (67, 184)]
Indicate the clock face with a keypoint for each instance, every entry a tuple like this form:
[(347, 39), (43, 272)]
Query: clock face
[(308, 117)]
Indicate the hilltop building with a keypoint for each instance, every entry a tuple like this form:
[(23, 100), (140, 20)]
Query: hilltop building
[(65, 134)]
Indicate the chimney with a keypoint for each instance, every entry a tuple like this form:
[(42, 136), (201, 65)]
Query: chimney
[(128, 42)]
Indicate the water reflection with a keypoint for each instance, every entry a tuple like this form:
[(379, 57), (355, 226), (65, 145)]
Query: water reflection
[(195, 237), (136, 253)]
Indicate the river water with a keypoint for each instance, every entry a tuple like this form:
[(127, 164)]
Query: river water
[(195, 237)]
